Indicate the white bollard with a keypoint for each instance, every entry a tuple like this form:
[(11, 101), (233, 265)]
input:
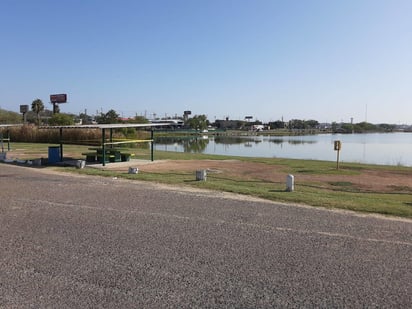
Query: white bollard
[(290, 183), (201, 175), (80, 164)]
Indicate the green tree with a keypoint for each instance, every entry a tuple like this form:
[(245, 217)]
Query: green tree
[(198, 122), (84, 118), (386, 127), (37, 106), (311, 124), (110, 117), (61, 120), (278, 124), (297, 124), (364, 126), (347, 128)]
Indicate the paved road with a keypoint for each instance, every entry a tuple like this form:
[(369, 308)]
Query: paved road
[(82, 242)]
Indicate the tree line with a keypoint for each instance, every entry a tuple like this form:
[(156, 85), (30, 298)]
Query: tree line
[(40, 116)]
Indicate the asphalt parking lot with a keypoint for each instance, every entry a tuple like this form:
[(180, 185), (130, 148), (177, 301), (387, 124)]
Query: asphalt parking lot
[(70, 241)]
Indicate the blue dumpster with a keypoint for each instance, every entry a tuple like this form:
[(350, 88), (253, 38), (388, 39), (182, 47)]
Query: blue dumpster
[(54, 154)]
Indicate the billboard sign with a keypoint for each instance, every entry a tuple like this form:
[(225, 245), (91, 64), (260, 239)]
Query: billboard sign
[(58, 98), (24, 109)]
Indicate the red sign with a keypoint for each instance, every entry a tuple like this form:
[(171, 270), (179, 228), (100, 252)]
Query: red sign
[(58, 98)]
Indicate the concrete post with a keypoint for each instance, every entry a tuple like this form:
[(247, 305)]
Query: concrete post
[(201, 175), (290, 183)]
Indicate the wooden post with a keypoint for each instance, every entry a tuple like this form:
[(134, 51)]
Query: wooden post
[(337, 160)]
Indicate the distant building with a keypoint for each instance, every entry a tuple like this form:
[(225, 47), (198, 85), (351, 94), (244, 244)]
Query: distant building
[(258, 127), (228, 124), (174, 123)]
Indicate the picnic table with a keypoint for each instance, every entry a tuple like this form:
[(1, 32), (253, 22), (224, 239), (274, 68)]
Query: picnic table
[(110, 155)]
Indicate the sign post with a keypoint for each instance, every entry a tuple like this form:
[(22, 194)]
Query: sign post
[(56, 99), (337, 145), (24, 109)]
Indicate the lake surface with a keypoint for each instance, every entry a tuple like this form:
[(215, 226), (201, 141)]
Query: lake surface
[(375, 148)]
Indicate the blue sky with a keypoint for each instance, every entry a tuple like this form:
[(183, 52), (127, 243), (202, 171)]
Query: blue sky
[(327, 60)]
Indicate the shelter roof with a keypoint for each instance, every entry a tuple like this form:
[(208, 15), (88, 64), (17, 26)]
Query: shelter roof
[(10, 125), (108, 126)]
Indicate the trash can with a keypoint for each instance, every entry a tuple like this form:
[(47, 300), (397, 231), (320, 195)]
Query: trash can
[(54, 154)]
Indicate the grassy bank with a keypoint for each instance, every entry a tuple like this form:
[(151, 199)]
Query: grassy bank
[(329, 194), (317, 183)]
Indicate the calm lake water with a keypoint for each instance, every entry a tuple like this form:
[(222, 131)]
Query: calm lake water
[(376, 148)]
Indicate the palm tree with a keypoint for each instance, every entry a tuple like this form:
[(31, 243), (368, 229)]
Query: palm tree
[(37, 106)]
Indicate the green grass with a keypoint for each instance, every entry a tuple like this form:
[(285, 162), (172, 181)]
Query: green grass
[(314, 194), (338, 193)]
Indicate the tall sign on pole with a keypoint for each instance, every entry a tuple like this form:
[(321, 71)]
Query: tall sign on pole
[(24, 109), (186, 115), (56, 99)]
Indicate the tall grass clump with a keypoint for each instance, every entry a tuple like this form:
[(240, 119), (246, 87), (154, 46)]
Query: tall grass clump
[(86, 136), (31, 134)]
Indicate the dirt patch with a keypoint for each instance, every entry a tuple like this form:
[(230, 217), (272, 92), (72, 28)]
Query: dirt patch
[(365, 181)]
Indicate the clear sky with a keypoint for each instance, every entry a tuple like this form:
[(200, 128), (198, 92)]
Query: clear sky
[(327, 60)]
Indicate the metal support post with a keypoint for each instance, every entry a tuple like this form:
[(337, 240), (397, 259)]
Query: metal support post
[(103, 147), (61, 144), (151, 144)]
